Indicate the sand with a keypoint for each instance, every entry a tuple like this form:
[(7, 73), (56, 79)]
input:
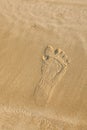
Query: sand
[(43, 65)]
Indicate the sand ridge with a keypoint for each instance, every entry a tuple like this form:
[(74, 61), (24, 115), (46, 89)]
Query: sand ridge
[(31, 118)]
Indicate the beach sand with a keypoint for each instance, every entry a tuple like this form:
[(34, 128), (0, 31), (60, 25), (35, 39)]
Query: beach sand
[(43, 65)]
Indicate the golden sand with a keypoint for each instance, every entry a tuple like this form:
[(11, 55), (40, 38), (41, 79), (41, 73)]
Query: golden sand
[(43, 65)]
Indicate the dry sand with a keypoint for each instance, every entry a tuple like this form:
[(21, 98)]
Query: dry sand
[(43, 65)]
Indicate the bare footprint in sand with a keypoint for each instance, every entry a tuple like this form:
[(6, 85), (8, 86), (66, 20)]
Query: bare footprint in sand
[(54, 65)]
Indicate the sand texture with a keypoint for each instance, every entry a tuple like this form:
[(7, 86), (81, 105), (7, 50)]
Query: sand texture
[(43, 64)]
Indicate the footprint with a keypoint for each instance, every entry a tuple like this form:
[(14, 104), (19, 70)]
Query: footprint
[(54, 65)]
